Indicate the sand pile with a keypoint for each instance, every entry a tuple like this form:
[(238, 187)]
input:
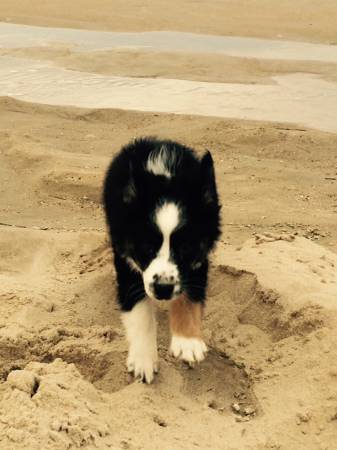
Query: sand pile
[(270, 378), (51, 406), (270, 324)]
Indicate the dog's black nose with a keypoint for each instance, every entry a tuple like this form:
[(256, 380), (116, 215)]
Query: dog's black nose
[(163, 291)]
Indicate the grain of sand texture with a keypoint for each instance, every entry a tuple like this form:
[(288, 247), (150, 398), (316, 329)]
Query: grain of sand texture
[(270, 378)]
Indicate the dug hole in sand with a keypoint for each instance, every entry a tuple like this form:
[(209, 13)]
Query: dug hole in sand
[(270, 324)]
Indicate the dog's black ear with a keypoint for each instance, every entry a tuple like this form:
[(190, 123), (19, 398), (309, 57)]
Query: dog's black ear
[(208, 186), (129, 191)]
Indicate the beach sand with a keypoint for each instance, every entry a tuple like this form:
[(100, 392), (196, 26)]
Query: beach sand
[(270, 377)]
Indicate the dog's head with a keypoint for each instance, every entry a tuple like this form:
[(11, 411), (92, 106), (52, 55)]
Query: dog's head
[(170, 223)]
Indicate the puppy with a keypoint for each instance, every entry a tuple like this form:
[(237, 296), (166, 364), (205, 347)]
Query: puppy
[(162, 212)]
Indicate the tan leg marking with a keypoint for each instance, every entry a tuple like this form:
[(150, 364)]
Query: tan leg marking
[(185, 317), (185, 324)]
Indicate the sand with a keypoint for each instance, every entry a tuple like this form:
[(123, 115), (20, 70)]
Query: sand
[(271, 375), (305, 20), (186, 66), (270, 378)]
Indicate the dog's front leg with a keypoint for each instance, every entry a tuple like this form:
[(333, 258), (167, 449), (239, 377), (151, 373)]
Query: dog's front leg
[(185, 324), (141, 331)]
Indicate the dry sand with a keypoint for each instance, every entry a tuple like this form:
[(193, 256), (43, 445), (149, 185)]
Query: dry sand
[(270, 379), (306, 20), (181, 66), (271, 376)]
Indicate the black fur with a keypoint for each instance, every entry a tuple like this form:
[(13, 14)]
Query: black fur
[(131, 195)]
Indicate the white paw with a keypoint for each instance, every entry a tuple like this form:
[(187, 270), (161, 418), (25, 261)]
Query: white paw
[(190, 350), (140, 325), (143, 363)]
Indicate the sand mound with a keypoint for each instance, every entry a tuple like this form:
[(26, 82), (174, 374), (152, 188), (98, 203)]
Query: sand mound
[(51, 406), (271, 304), (270, 378)]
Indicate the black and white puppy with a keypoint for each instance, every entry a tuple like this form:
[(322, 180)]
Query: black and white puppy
[(162, 211)]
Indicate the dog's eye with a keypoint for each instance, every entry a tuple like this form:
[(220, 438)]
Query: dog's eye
[(180, 242), (196, 265), (149, 251)]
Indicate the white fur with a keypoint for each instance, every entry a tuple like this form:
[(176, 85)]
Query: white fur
[(167, 219), (141, 330), (132, 263), (190, 350), (159, 162)]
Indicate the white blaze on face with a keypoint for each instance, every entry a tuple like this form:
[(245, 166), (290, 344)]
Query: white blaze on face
[(161, 268)]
